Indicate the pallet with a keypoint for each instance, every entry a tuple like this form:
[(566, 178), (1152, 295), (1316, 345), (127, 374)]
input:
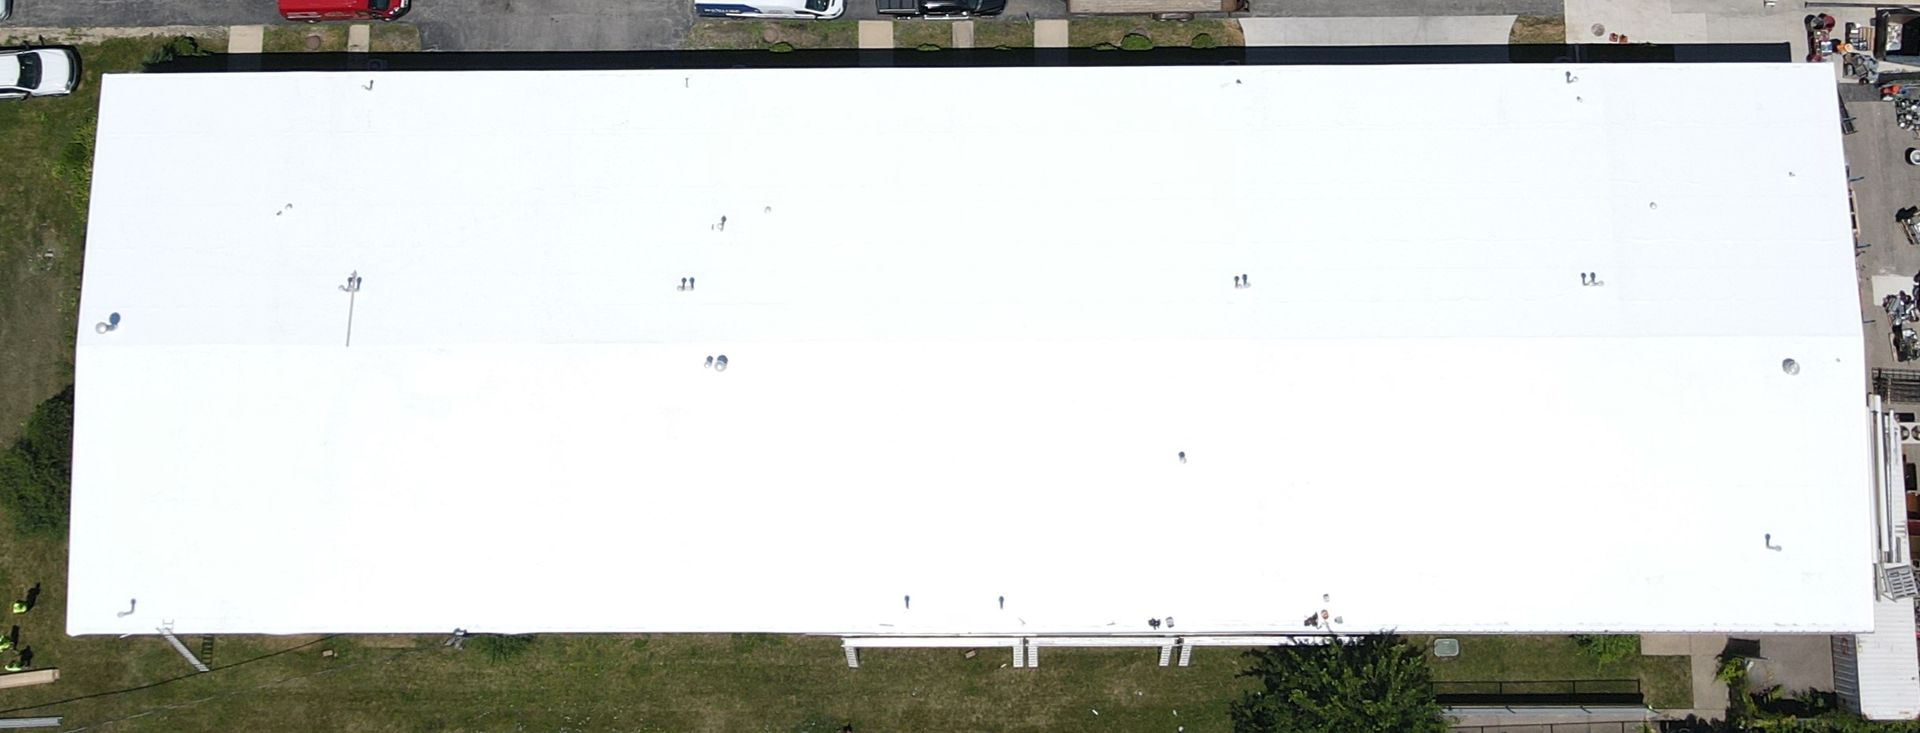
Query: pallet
[(29, 678)]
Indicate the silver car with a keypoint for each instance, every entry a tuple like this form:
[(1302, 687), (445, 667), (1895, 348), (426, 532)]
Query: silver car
[(38, 72)]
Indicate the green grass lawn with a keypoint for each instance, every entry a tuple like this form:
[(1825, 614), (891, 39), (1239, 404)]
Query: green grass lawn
[(914, 33), (1089, 32), (746, 34), (47, 147), (624, 683), (1664, 680)]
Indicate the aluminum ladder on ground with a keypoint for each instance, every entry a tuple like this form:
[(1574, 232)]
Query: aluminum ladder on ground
[(13, 723), (167, 631)]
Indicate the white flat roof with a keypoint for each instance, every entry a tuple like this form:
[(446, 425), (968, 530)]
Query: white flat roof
[(972, 316)]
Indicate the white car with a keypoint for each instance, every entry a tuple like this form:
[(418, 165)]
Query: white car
[(38, 72), (775, 9)]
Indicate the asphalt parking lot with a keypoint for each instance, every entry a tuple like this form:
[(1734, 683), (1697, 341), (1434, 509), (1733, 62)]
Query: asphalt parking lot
[(1882, 183), (551, 25), (594, 25)]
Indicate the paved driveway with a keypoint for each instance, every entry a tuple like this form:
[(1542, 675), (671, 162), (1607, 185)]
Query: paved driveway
[(1402, 8), (139, 13), (451, 25), (593, 25), (1460, 30), (551, 25)]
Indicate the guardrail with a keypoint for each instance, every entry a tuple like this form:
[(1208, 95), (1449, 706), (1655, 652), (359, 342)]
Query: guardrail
[(1540, 693)]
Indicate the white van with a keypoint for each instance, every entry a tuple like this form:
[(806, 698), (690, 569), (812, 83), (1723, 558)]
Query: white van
[(777, 9)]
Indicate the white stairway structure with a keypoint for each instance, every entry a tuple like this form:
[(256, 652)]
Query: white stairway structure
[(1026, 649), (167, 631)]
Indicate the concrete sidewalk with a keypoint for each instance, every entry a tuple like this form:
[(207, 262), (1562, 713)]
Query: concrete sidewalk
[(1699, 21), (1050, 34), (963, 34), (246, 38), (1703, 664), (1394, 31), (876, 34)]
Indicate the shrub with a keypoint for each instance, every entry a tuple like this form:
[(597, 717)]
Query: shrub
[(1202, 41), (36, 474), (926, 47), (177, 47), (1136, 42), (781, 47), (502, 647), (1369, 683), (1105, 47), (1606, 648), (1732, 672)]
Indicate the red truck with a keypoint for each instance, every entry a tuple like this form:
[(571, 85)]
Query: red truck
[(314, 11)]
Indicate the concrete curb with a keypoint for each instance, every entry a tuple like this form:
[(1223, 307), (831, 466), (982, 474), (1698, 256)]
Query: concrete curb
[(68, 34)]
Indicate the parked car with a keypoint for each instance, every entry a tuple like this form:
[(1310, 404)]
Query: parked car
[(778, 9), (314, 11), (38, 72), (941, 8)]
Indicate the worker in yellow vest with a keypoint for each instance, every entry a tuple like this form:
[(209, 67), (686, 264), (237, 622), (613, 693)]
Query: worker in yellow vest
[(14, 666), (20, 606)]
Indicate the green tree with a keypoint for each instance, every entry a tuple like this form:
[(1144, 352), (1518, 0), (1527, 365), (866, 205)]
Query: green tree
[(1372, 684), (36, 474)]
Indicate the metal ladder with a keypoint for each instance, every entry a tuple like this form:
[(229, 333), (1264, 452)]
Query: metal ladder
[(167, 631)]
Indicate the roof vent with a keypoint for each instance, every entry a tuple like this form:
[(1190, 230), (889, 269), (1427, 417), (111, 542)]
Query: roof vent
[(111, 324), (1790, 366)]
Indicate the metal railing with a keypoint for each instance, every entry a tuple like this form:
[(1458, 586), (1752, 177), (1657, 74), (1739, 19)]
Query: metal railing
[(1540, 693), (1897, 385), (1615, 727)]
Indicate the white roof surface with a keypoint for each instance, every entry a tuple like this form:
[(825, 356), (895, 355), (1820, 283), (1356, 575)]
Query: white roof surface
[(972, 316)]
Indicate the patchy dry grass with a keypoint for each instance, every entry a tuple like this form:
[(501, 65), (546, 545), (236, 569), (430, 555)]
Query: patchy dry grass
[(749, 34), (1090, 32), (392, 37), (293, 38), (1538, 29), (1002, 34), (916, 33)]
